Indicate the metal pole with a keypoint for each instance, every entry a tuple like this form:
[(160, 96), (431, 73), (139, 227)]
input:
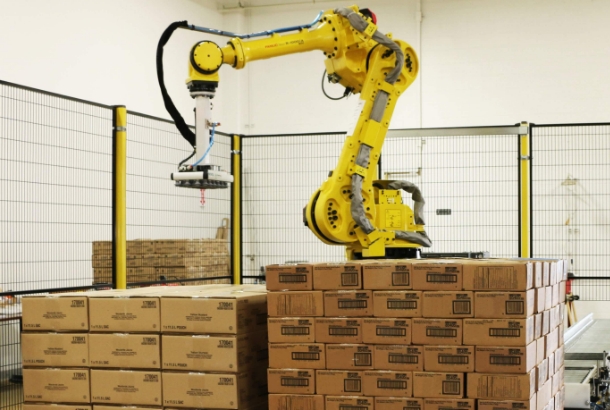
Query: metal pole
[(119, 191), (524, 195), (236, 212)]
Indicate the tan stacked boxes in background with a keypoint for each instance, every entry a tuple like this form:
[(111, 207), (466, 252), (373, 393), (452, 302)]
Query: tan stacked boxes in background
[(170, 259), (450, 333), (110, 351)]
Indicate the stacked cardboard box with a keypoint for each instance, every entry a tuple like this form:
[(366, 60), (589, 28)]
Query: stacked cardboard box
[(187, 347), (386, 335), (149, 260)]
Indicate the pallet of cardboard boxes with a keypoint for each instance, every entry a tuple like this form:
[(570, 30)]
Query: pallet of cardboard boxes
[(422, 334), (176, 259), (176, 347)]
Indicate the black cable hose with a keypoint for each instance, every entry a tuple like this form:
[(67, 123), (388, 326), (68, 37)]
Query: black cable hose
[(169, 104), (186, 159), (345, 94)]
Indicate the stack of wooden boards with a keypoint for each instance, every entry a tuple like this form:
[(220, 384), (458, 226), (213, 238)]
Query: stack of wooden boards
[(174, 259), (170, 347), (424, 334)]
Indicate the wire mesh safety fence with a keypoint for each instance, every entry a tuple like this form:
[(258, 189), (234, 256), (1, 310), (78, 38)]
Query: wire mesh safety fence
[(157, 210), (571, 202), (56, 183), (470, 185), (280, 173)]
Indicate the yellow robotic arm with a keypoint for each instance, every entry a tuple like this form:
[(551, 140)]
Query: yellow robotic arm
[(351, 208)]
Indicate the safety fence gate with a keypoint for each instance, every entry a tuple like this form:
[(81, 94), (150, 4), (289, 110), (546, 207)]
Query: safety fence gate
[(571, 202), (74, 173)]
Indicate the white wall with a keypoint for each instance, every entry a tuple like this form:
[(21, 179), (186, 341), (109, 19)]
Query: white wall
[(503, 61), (102, 51), (482, 63)]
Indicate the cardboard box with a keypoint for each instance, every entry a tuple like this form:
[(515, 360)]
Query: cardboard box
[(339, 382), (554, 317), (448, 304), (214, 311), (540, 299), (114, 312), (289, 277), (449, 404), (498, 274), (540, 350), (546, 322), (449, 358), (429, 384), (215, 353), (55, 349), (295, 304), (537, 273), (499, 332), (54, 406), (501, 386), (291, 330), (102, 407), (349, 303), (437, 331), (543, 395), (127, 351), (542, 372), (517, 359), (437, 275), (551, 359), (207, 390), (296, 402), (338, 330), (387, 383), (507, 404), (349, 356), (537, 325), (61, 313), (559, 358), (399, 403), (387, 275), (335, 276), (56, 385), (397, 303), (546, 275), (557, 381), (386, 331), (551, 342), (554, 267), (555, 295), (349, 403), (128, 387), (548, 298), (399, 357), (297, 356), (291, 381), (505, 305)]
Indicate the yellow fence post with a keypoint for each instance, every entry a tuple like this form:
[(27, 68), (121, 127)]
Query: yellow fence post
[(236, 213), (525, 205), (119, 192)]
